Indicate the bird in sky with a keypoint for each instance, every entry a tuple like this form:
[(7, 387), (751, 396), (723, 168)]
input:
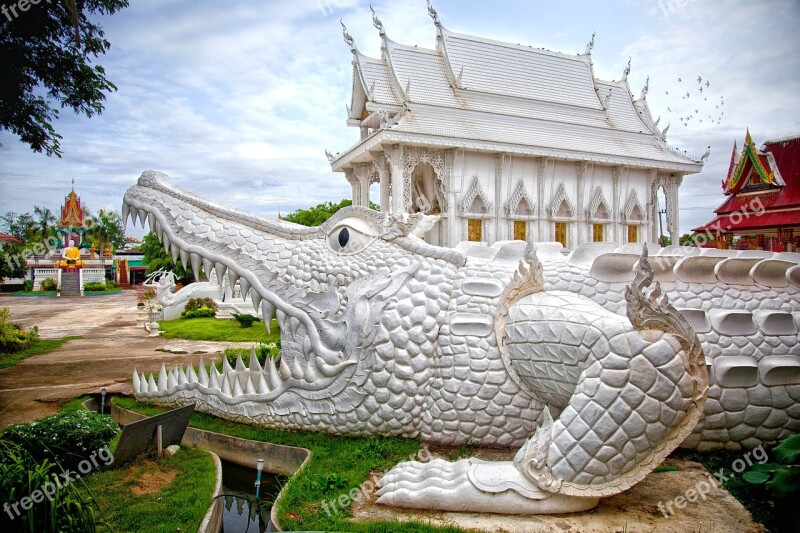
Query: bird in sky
[(701, 88), (679, 80), (669, 110), (708, 84), (699, 79), (666, 92), (687, 94)]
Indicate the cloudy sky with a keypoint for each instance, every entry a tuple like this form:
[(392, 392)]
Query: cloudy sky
[(238, 100)]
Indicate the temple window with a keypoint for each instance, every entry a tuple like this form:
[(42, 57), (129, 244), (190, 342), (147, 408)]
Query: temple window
[(597, 233), (520, 230), (633, 233), (475, 229), (561, 233)]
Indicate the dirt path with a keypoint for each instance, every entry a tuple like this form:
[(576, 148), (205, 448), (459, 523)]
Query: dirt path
[(111, 348)]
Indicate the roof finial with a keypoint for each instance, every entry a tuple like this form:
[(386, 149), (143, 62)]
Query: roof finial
[(747, 138), (73, 184), (434, 15), (377, 22), (664, 132), (627, 70), (590, 45), (645, 88), (347, 37)]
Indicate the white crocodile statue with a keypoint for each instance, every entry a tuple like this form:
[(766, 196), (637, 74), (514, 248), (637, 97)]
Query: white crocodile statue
[(595, 373)]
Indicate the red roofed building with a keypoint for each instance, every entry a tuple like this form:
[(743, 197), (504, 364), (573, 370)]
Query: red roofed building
[(762, 211)]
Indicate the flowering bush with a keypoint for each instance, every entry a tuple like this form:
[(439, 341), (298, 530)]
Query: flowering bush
[(48, 284), (200, 308), (66, 438)]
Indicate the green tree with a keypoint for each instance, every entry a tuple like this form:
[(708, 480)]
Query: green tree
[(106, 229), (157, 259), (314, 216), (45, 222), (48, 51), (12, 256)]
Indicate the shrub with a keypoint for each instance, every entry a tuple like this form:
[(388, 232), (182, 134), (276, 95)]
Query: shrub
[(21, 474), (94, 287), (263, 351), (48, 284), (201, 312), (12, 337), (67, 438), (245, 320), (27, 285), (111, 284), (196, 303)]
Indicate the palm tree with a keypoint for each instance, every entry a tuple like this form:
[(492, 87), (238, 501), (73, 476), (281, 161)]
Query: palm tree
[(45, 223), (106, 229)]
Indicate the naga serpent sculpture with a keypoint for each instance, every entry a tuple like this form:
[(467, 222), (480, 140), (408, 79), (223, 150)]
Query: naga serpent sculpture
[(579, 361)]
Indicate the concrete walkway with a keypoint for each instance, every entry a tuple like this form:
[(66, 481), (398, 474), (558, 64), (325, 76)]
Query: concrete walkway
[(111, 348)]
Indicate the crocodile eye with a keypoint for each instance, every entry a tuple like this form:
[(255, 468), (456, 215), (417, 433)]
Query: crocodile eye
[(344, 236), (350, 236)]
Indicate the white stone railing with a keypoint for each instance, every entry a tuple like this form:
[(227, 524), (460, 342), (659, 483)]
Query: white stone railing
[(93, 275), (43, 273)]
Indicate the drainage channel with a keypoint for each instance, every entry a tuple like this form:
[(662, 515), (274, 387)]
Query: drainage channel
[(242, 512)]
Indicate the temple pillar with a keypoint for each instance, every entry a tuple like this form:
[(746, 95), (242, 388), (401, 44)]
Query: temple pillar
[(499, 161), (541, 168), (398, 179), (382, 169), (616, 176), (580, 216), (349, 173)]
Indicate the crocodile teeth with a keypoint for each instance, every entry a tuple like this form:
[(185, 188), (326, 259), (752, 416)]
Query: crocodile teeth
[(195, 260), (248, 387), (240, 364), (297, 370), (273, 376), (185, 259), (220, 269), (285, 372), (208, 265), (126, 212), (171, 381), (162, 378), (245, 288), (213, 381), (182, 376), (226, 385), (134, 215), (151, 384), (202, 375), (136, 385), (175, 252), (191, 377), (255, 366), (310, 373), (151, 221), (237, 389), (267, 312), (226, 366), (142, 216), (255, 298), (263, 388), (232, 278)]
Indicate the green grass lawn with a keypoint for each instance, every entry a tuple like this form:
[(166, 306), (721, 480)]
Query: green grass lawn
[(40, 346), (147, 496), (338, 464), (214, 329)]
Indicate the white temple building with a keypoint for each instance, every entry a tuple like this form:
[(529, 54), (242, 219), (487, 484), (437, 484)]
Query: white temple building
[(507, 141)]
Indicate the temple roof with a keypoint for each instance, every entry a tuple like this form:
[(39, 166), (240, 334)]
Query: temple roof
[(770, 174), (71, 212), (475, 89)]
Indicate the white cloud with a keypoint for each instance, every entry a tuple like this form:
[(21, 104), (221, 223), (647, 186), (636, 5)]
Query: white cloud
[(241, 98)]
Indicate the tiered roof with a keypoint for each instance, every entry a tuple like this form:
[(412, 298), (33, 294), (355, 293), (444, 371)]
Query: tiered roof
[(772, 176), (479, 93)]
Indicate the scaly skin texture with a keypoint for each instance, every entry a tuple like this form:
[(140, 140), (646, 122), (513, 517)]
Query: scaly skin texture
[(384, 334)]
